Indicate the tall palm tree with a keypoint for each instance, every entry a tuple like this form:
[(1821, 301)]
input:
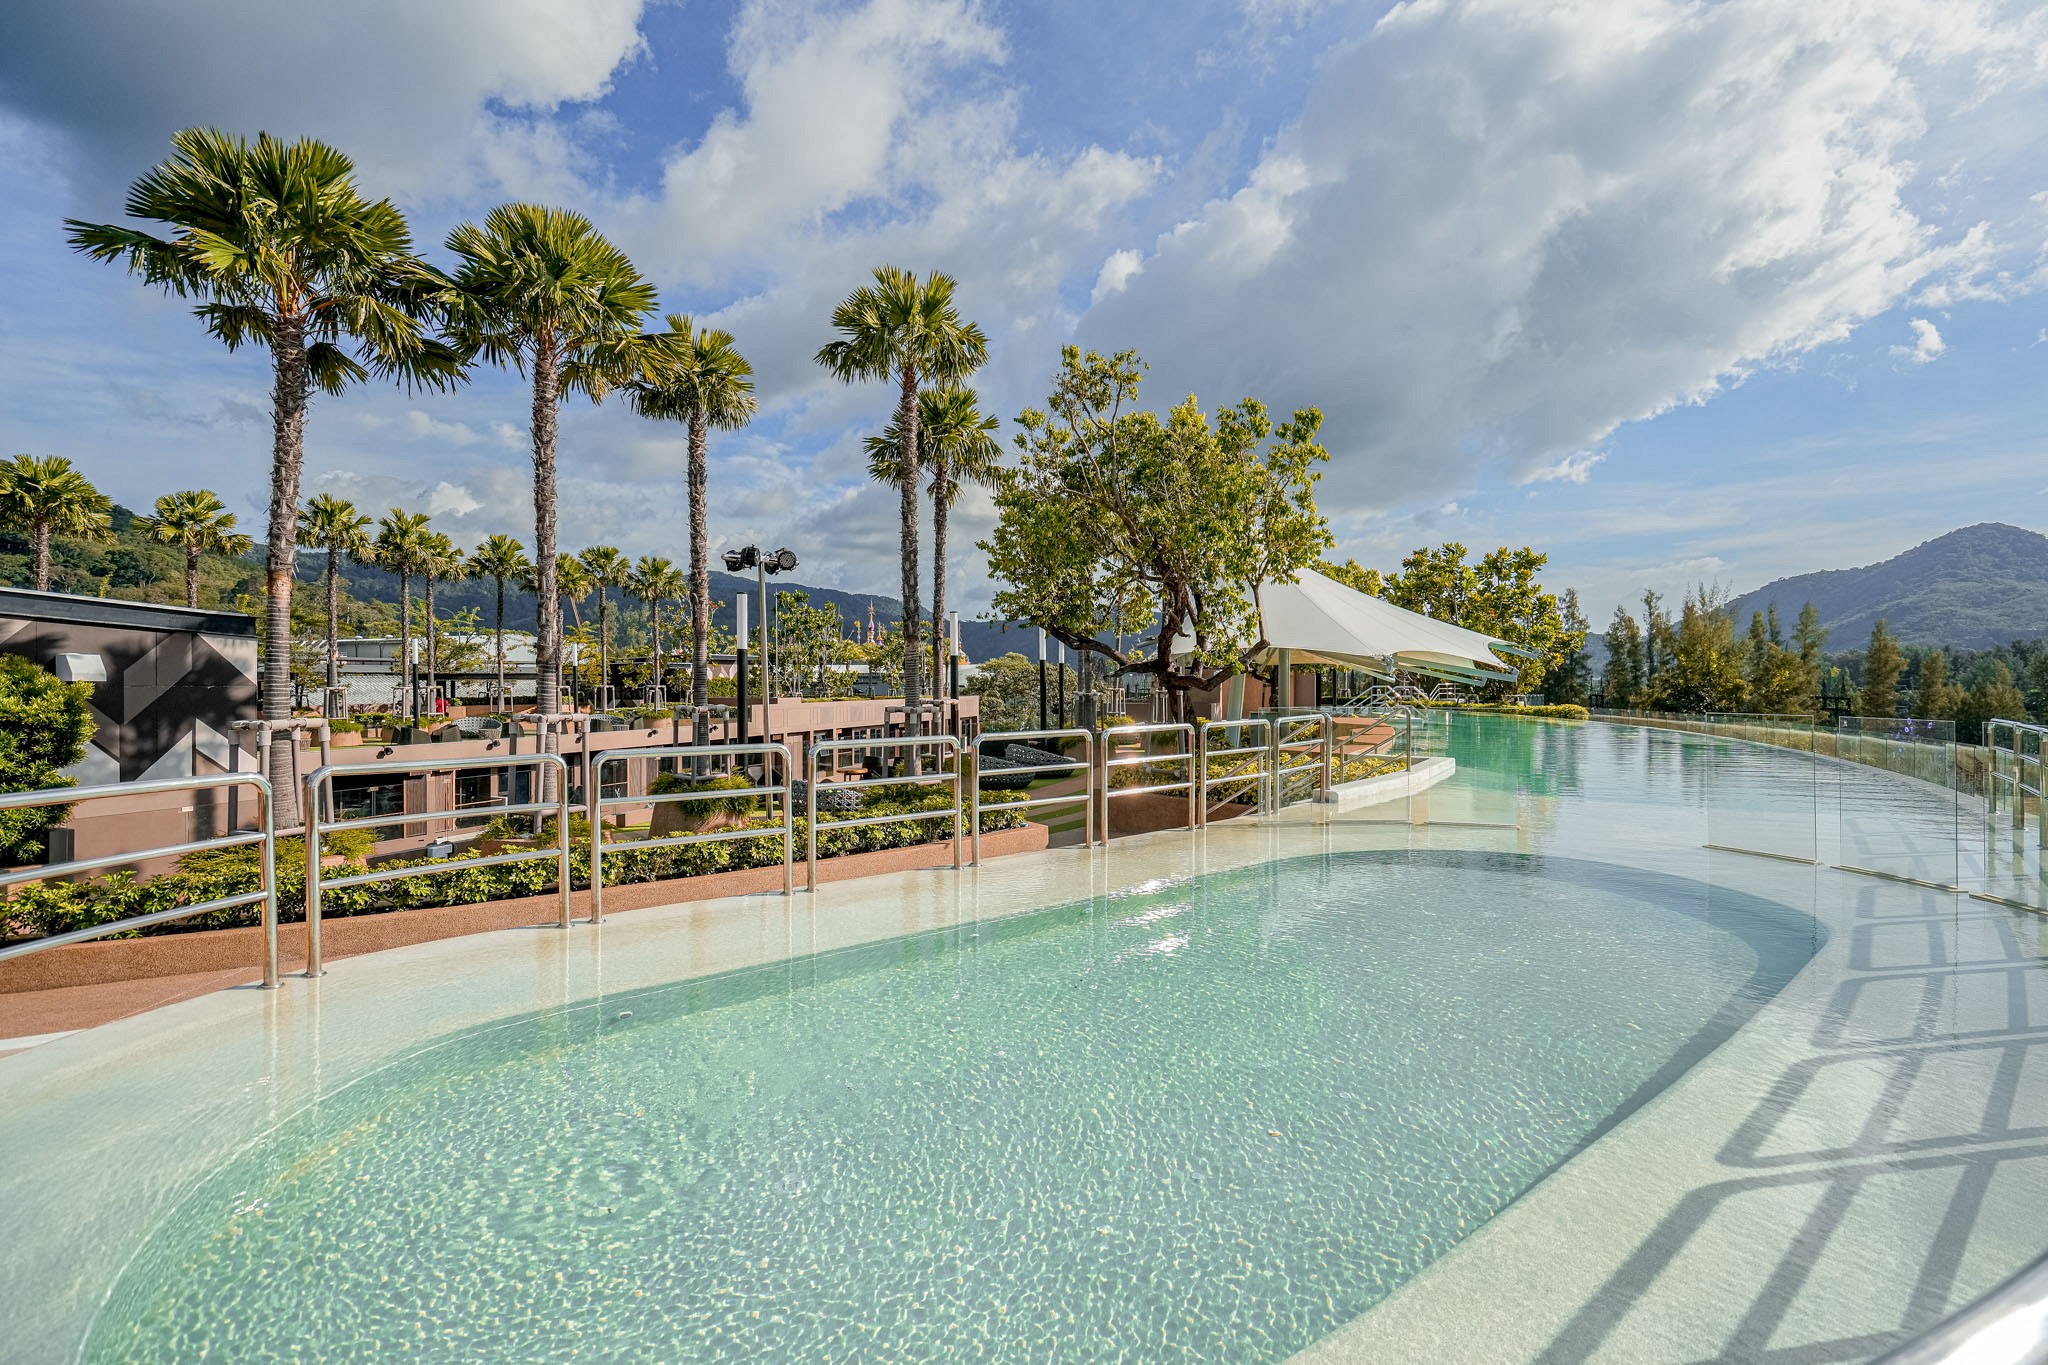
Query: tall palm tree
[(199, 522), (333, 525), (440, 561), (908, 330), (607, 569), (656, 580), (401, 548), (45, 496), (709, 384), (283, 251), (960, 448), (540, 289), (500, 558)]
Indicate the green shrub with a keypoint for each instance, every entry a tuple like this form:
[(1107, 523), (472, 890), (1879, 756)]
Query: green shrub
[(44, 727), (672, 784)]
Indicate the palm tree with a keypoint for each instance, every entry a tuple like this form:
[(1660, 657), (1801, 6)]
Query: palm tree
[(709, 384), (199, 522), (332, 524), (282, 251), (401, 548), (498, 559), (45, 496), (607, 569), (655, 580), (572, 585), (907, 330), (962, 449), (439, 560), (541, 290)]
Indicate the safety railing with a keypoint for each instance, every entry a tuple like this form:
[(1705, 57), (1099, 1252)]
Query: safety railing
[(1184, 757), (2008, 1326), (262, 837), (1084, 766), (320, 795), (1246, 766), (778, 794), (1303, 742), (2020, 736), (914, 747)]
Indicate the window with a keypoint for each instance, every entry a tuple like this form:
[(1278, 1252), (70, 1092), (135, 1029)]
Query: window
[(356, 798)]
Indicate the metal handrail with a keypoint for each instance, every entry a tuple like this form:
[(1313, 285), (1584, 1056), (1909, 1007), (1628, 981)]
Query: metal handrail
[(598, 803), (1085, 765), (1322, 746), (1185, 755), (319, 784), (944, 743), (2008, 1326), (1261, 772), (264, 836)]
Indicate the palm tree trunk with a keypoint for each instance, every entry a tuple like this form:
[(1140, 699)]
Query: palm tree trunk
[(287, 455), (502, 699), (604, 639), (941, 494), (40, 566), (547, 653), (654, 626), (433, 646), (333, 615), (192, 576), (700, 567), (412, 711), (906, 422)]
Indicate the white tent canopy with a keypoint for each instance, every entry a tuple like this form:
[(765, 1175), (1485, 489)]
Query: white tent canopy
[(1317, 620)]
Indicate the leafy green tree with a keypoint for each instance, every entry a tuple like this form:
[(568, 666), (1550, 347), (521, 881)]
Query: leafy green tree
[(1108, 502), (541, 290), (1571, 682), (1809, 637), (44, 727), (1621, 683), (1352, 574), (959, 448), (1499, 596), (708, 384), (1990, 695), (910, 331), (333, 525), (655, 580), (1936, 698), (401, 548), (1883, 662), (1704, 670), (44, 496), (283, 251), (807, 639), (1780, 681), (1660, 640), (199, 523), (607, 569), (500, 558)]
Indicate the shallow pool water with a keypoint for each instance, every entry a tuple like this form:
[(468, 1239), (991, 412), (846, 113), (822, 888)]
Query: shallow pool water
[(1213, 1119)]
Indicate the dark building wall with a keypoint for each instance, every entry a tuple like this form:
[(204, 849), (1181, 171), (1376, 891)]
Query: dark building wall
[(177, 680)]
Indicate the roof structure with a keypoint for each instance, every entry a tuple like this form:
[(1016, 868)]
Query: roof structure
[(1320, 621)]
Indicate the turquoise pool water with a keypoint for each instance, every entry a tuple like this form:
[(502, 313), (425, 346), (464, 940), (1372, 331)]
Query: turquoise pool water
[(1213, 1120)]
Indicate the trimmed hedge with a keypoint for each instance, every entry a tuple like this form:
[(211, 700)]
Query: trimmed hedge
[(40, 909), (1559, 711)]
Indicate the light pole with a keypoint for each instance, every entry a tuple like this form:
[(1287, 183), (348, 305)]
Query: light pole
[(954, 660), (1044, 719), (1063, 686), (740, 656), (762, 562)]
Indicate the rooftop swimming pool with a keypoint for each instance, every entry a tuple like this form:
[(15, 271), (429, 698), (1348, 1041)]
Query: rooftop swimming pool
[(1516, 1069)]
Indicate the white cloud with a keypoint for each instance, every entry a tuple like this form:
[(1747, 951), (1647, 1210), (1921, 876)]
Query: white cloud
[(1116, 272), (1927, 343), (1501, 228), (1574, 468)]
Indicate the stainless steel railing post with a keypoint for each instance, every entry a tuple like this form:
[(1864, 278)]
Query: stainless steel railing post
[(769, 789), (314, 824)]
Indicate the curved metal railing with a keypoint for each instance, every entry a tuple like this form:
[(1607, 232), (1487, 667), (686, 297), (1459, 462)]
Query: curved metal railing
[(320, 796), (1317, 751), (915, 744), (263, 837), (1258, 772), (1184, 755), (1085, 766), (598, 803)]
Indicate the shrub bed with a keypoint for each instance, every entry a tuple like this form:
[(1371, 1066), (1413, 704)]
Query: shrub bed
[(1558, 711)]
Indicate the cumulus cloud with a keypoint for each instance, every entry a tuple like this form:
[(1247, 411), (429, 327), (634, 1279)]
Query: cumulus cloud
[(1576, 468), (1927, 343), (1501, 229)]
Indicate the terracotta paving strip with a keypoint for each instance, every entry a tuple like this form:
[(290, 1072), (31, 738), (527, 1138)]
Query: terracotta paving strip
[(28, 1013)]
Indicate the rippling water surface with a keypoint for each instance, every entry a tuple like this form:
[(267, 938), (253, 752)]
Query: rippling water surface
[(1212, 1121)]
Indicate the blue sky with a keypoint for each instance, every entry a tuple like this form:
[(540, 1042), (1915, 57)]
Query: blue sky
[(1675, 291)]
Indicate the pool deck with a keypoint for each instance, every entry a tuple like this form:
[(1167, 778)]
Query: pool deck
[(1868, 1153)]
